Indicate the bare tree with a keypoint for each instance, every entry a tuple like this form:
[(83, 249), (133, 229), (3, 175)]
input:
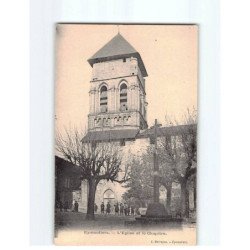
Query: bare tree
[(98, 161)]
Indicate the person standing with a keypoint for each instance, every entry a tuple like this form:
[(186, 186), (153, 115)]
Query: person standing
[(116, 208), (108, 208), (102, 208), (76, 205)]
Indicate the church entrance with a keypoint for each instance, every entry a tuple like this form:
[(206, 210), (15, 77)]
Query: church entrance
[(109, 196)]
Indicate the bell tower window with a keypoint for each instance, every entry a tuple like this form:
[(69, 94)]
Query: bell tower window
[(123, 97), (104, 99)]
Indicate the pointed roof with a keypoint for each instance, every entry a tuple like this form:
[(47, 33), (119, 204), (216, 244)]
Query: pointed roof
[(118, 47)]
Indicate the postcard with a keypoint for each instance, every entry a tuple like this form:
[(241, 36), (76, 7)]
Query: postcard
[(125, 134)]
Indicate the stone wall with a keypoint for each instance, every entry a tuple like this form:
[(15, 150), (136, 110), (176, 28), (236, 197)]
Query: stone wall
[(115, 68), (112, 74)]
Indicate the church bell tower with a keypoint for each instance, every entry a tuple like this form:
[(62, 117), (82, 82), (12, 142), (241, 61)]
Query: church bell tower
[(117, 96)]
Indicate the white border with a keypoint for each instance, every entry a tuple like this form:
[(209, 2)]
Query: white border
[(44, 14)]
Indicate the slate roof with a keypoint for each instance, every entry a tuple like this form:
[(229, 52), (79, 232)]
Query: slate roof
[(118, 47), (110, 135)]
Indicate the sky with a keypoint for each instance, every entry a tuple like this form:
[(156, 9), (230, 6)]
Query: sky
[(169, 53)]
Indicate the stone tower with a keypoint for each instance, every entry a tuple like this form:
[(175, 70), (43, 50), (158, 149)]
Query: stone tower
[(118, 107)]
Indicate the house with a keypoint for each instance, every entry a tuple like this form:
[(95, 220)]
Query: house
[(67, 182)]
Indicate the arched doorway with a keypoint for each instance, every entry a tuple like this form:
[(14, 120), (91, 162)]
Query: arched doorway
[(109, 196)]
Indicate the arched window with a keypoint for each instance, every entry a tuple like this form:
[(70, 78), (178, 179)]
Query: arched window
[(123, 97), (104, 99)]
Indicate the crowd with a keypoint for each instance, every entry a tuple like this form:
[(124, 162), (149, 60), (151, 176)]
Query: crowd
[(118, 209)]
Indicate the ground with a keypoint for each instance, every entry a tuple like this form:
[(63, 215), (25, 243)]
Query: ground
[(69, 220), (72, 220)]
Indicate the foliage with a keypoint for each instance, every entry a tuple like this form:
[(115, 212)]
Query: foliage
[(139, 184), (176, 157)]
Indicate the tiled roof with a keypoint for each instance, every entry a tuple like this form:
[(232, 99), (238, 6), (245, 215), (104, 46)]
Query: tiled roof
[(118, 47), (113, 135), (110, 135), (163, 131)]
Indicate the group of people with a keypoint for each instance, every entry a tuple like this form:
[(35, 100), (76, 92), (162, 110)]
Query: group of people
[(119, 209), (108, 208)]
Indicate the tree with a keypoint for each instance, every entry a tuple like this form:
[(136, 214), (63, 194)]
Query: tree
[(98, 161), (180, 148), (140, 187), (168, 158), (176, 154)]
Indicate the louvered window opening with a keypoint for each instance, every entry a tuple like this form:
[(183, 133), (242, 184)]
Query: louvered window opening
[(123, 97), (104, 99)]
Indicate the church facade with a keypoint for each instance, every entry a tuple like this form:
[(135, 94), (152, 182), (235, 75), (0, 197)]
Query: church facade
[(117, 107), (117, 110)]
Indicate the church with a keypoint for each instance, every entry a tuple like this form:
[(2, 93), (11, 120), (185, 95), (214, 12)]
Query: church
[(117, 110)]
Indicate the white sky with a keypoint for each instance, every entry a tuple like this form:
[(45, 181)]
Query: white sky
[(170, 55)]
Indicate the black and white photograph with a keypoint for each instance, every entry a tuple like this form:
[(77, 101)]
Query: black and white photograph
[(125, 134)]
